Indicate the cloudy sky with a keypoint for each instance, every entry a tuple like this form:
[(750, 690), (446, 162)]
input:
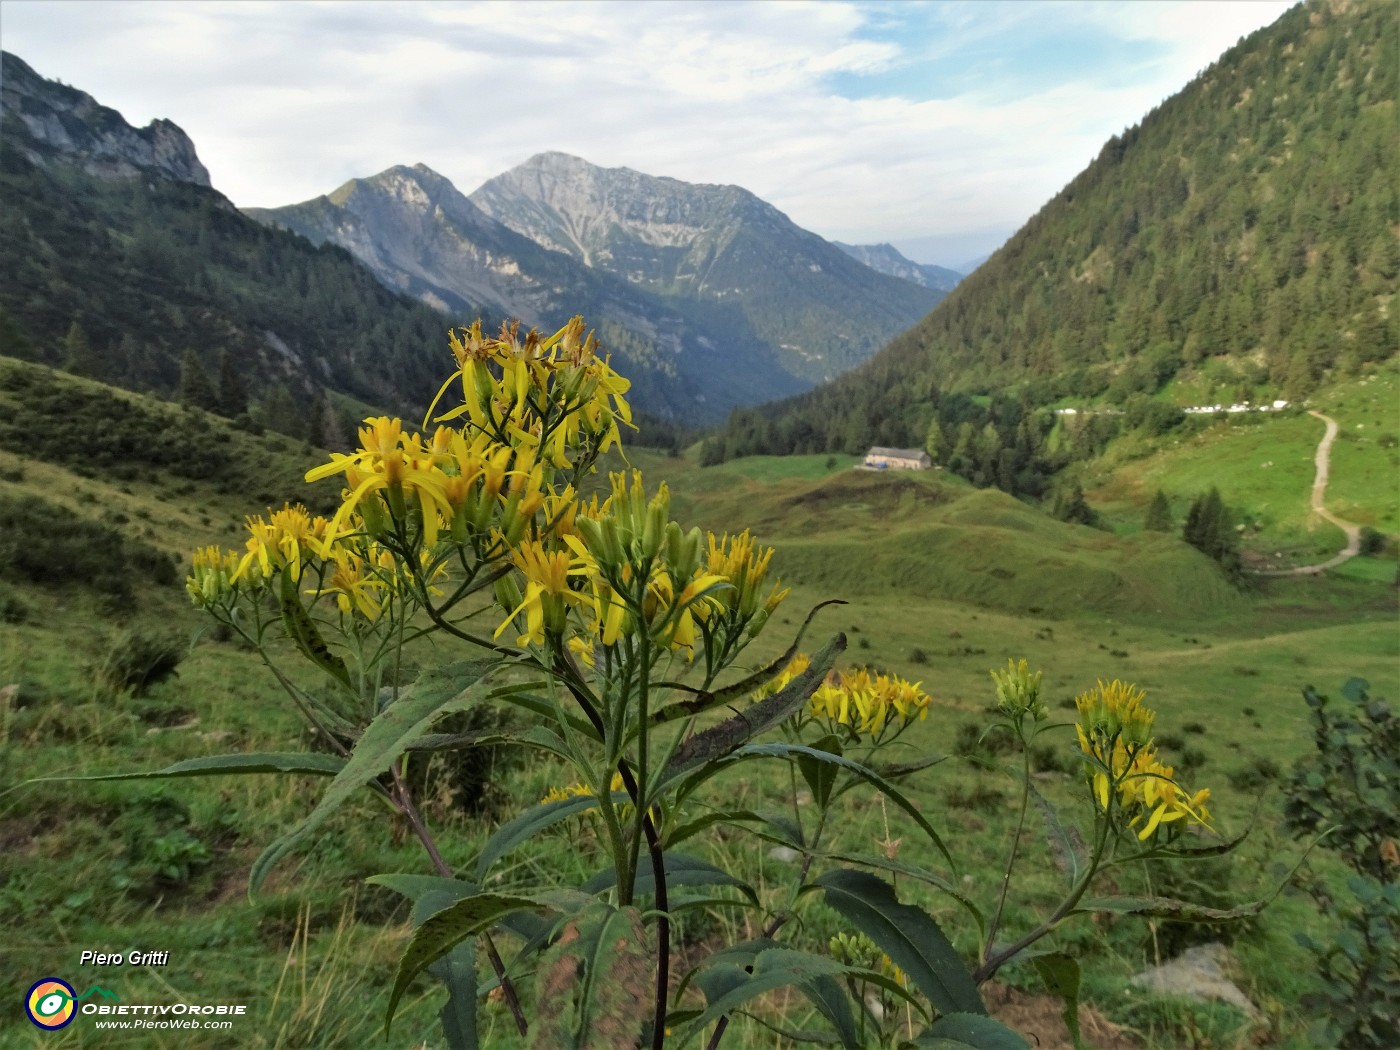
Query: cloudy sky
[(939, 127)]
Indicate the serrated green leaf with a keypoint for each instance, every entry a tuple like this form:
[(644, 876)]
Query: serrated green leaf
[(1168, 908), (792, 751), (457, 972), (693, 827), (429, 894), (1066, 848), (908, 935), (222, 765), (720, 740), (403, 722), (681, 870), (820, 776), (772, 968), (913, 871), (705, 701)]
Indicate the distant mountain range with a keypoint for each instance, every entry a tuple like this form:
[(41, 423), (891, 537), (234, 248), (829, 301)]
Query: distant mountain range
[(709, 284), (887, 259), (707, 297)]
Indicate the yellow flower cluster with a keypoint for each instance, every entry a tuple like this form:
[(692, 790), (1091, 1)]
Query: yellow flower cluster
[(1018, 690), (485, 489), (629, 569), (867, 703), (1115, 732), (552, 395), (859, 950)]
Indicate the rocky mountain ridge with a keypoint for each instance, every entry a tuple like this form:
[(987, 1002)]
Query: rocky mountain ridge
[(887, 259), (68, 124), (819, 311), (420, 235)]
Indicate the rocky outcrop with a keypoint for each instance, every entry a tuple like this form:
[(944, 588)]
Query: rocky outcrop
[(60, 122)]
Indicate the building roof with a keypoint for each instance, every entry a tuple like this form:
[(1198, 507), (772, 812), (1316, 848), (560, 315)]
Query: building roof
[(898, 453)]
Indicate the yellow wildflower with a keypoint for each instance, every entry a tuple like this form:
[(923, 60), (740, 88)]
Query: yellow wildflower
[(212, 575), (547, 591), (866, 704), (1115, 731)]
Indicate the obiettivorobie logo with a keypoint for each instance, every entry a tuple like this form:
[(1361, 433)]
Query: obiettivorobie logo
[(52, 1003)]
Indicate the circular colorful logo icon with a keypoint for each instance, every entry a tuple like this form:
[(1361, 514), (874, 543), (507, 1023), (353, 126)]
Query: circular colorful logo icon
[(50, 1003)]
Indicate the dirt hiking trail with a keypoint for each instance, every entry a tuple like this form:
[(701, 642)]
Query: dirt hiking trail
[(1319, 494)]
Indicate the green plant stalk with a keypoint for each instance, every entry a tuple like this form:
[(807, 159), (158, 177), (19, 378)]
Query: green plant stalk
[(1015, 847), (999, 959), (420, 829)]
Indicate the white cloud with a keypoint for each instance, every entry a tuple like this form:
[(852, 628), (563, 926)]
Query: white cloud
[(287, 100)]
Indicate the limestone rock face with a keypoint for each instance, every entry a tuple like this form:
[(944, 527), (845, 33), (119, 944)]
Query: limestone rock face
[(64, 123)]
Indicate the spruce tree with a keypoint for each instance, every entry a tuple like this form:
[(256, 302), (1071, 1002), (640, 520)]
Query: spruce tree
[(1210, 529), (1159, 514), (1073, 507)]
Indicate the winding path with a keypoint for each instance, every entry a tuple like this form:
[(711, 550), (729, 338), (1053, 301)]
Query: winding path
[(1319, 492)]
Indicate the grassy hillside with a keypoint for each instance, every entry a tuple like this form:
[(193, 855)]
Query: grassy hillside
[(1263, 465), (144, 865)]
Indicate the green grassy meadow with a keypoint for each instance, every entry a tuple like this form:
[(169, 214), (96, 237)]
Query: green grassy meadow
[(1262, 464), (941, 583)]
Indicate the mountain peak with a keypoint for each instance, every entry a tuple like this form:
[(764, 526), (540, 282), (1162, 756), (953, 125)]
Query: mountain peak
[(64, 124)]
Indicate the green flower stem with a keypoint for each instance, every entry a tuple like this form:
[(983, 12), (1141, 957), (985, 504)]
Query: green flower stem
[(420, 829), (1015, 847), (302, 706), (991, 965)]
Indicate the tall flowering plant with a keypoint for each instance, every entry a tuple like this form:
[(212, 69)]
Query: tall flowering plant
[(618, 633)]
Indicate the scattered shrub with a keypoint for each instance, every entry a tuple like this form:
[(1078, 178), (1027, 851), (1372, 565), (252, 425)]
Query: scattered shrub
[(1260, 772), (140, 658), (1352, 784), (45, 543), (12, 610)]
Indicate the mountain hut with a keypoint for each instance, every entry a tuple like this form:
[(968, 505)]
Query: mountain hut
[(897, 459)]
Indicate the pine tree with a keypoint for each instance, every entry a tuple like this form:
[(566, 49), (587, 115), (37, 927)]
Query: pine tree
[(14, 340), (1159, 514), (280, 412), (1211, 530), (316, 422), (1073, 507)]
